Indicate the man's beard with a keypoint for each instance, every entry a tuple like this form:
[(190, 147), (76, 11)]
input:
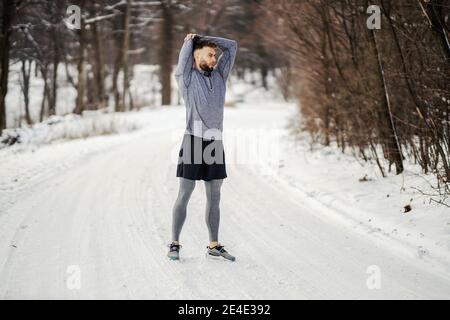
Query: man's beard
[(205, 67)]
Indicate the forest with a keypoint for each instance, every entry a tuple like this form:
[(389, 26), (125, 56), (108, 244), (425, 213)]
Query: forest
[(382, 92)]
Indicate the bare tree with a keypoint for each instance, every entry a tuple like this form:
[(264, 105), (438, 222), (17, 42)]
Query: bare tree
[(8, 11)]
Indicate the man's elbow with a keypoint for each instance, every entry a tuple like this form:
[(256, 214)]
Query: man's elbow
[(233, 45), (177, 72)]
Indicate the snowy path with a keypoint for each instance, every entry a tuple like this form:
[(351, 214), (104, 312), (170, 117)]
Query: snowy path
[(108, 211)]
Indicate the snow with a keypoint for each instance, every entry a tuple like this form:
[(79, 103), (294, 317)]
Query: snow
[(72, 126), (91, 218)]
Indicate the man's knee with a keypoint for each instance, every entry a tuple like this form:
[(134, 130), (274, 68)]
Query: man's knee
[(187, 188)]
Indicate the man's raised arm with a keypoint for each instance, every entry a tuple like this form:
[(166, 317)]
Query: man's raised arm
[(226, 59), (185, 60)]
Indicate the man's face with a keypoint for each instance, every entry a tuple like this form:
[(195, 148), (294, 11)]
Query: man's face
[(205, 58)]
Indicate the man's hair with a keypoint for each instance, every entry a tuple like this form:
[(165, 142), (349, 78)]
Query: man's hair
[(199, 44)]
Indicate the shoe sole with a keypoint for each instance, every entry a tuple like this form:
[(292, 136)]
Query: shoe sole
[(214, 257)]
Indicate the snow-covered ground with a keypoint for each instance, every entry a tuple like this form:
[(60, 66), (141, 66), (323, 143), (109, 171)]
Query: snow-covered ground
[(91, 218)]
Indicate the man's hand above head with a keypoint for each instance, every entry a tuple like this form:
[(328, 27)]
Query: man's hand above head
[(190, 36)]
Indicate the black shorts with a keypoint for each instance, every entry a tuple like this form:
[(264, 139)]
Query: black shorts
[(201, 159)]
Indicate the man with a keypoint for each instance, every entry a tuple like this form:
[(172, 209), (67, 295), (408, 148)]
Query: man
[(201, 81)]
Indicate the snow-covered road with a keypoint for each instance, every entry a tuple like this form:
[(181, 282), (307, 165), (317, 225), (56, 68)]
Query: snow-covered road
[(92, 219)]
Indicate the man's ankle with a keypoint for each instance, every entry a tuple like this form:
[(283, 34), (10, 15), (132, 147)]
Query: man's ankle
[(213, 244)]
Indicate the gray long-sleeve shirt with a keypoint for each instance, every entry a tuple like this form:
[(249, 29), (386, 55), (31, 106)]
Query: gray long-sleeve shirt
[(204, 95)]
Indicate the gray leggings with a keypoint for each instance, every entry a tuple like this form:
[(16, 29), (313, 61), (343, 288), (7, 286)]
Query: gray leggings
[(212, 215)]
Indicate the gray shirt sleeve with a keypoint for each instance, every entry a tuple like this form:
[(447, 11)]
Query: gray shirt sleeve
[(185, 62), (226, 59)]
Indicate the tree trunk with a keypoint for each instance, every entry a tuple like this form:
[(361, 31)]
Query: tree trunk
[(393, 145), (118, 47), (54, 81), (99, 65), (79, 104), (25, 73), (165, 55), (126, 41), (327, 89), (7, 16), (44, 69), (264, 72)]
